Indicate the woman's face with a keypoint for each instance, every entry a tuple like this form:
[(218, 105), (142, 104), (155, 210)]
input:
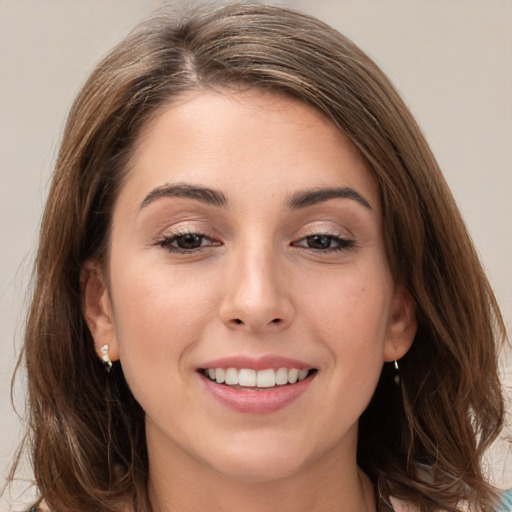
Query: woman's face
[(247, 247)]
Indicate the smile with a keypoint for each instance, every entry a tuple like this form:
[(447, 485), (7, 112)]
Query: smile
[(256, 379), (256, 386)]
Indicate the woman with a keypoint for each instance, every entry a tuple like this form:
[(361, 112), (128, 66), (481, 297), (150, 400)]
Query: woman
[(247, 228)]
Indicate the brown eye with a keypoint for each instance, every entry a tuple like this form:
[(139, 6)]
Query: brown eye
[(319, 241), (189, 241), (325, 243)]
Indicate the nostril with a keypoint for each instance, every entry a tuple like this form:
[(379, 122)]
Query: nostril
[(239, 321)]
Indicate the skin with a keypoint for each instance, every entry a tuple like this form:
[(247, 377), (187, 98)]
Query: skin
[(254, 287)]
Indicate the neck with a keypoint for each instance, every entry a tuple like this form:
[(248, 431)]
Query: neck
[(328, 485), (233, 496)]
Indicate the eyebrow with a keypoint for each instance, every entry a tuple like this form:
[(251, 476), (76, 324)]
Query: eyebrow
[(195, 192), (305, 198), (301, 199)]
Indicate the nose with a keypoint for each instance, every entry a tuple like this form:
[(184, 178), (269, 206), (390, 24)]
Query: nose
[(257, 295)]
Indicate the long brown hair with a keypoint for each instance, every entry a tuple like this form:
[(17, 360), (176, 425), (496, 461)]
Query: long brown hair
[(86, 429)]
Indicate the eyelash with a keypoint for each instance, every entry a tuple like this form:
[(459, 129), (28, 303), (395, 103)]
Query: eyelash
[(341, 243), (166, 242)]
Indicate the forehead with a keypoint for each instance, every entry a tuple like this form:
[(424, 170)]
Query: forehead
[(267, 142)]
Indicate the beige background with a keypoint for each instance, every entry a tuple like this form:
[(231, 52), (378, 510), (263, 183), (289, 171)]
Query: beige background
[(451, 59)]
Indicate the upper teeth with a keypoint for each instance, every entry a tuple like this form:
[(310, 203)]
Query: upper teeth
[(251, 378)]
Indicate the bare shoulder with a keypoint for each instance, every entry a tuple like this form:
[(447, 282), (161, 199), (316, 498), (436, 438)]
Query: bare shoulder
[(41, 507), (402, 506)]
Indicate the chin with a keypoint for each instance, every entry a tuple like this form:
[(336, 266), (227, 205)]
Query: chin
[(265, 470), (263, 460)]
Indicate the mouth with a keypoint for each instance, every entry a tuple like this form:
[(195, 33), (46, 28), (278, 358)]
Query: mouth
[(257, 385), (249, 379)]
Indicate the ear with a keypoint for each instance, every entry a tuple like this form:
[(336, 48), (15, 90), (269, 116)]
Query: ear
[(402, 324), (97, 310)]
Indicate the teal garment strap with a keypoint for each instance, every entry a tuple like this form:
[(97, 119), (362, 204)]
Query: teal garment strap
[(506, 502)]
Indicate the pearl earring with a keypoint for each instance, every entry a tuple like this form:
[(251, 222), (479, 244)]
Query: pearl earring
[(105, 358)]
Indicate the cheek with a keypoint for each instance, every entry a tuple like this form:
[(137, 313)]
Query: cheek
[(159, 317), (351, 308), (350, 319)]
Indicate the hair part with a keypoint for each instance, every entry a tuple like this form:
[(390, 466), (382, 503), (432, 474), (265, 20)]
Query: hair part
[(86, 429)]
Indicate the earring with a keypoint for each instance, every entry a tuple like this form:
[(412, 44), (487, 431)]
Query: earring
[(105, 358), (397, 374)]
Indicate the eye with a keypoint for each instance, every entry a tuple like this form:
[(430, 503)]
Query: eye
[(325, 243), (187, 242)]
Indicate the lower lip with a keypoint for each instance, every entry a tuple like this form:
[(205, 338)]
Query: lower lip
[(257, 402)]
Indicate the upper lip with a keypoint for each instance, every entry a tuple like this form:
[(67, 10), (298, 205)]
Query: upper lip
[(256, 363)]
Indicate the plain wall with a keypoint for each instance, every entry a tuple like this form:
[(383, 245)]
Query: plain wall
[(451, 60)]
